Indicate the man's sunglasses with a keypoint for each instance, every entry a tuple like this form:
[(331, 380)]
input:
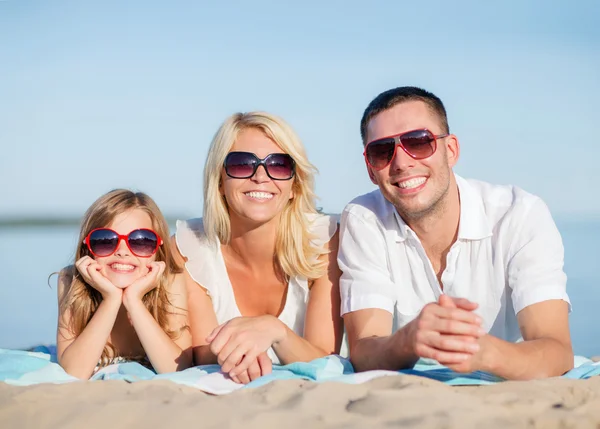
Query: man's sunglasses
[(243, 165), (104, 242), (418, 144)]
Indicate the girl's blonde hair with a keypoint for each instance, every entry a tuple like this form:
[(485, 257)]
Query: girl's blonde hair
[(82, 299), (295, 250)]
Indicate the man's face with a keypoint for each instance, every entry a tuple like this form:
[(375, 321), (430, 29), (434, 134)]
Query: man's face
[(415, 187)]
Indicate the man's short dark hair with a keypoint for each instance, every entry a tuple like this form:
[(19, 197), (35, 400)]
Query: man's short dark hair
[(388, 99)]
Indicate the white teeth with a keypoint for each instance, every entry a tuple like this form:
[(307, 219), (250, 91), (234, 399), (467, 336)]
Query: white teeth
[(122, 267), (412, 183), (259, 195)]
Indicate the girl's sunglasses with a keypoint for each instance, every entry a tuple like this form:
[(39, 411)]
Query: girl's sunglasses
[(243, 165), (418, 144), (104, 242)]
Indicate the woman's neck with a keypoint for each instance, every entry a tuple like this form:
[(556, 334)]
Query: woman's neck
[(253, 245)]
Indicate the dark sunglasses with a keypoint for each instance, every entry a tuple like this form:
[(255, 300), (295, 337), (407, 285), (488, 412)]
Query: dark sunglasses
[(104, 242), (243, 165), (418, 144)]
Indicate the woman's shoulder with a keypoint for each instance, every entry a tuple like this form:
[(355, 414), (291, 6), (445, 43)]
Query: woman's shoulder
[(190, 238), (323, 226)]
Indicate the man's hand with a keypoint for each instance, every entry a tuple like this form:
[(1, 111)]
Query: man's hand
[(447, 331)]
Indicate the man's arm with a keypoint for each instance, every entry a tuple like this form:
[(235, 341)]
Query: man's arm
[(545, 352), (444, 332)]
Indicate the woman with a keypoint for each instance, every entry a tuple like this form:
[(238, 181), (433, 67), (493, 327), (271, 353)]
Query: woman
[(261, 265)]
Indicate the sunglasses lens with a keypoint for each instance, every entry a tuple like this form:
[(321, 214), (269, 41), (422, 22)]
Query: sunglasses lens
[(418, 144), (380, 152), (240, 165), (103, 242), (280, 166), (143, 242)]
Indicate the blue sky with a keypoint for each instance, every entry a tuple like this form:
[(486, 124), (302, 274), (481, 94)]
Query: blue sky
[(97, 95)]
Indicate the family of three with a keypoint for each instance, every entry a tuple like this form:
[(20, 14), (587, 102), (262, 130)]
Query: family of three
[(429, 265)]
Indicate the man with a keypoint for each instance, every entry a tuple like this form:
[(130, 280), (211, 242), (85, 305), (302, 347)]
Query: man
[(437, 266)]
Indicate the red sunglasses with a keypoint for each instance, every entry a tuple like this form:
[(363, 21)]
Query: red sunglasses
[(104, 242), (418, 144)]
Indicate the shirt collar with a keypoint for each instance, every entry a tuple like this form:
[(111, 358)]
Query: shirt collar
[(474, 224)]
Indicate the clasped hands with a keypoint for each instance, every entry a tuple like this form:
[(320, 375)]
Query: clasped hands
[(241, 345), (91, 271), (449, 332)]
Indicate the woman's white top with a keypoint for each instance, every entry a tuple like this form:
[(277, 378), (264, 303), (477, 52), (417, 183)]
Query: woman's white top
[(206, 266)]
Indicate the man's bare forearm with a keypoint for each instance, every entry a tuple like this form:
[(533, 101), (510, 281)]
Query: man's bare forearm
[(526, 360), (392, 352)]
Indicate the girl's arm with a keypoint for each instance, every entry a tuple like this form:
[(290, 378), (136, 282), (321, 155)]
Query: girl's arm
[(79, 355), (165, 354), (240, 340)]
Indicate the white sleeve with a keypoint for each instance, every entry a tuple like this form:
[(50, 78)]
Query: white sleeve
[(535, 267), (363, 258)]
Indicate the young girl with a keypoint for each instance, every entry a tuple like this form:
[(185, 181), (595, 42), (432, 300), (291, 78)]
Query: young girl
[(124, 298)]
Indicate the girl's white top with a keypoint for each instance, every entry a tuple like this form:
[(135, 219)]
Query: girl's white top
[(206, 266)]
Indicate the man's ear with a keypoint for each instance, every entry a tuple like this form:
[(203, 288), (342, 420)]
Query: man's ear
[(452, 150)]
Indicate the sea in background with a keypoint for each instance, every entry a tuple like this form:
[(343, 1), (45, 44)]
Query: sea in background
[(29, 254)]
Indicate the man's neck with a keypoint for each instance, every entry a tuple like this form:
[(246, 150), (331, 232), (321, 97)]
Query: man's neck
[(438, 229)]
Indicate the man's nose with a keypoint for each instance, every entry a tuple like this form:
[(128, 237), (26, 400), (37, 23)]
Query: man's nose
[(401, 160)]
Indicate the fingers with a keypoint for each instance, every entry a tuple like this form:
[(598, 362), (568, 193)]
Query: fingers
[(243, 377), (435, 311), (446, 302), (254, 371), (248, 359), (450, 343), (233, 360), (266, 365), (214, 333), (218, 338), (443, 357)]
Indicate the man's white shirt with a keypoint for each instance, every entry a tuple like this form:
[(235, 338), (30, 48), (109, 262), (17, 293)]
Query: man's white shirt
[(508, 255)]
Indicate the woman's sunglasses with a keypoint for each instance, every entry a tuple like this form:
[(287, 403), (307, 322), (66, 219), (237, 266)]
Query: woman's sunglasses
[(104, 242), (243, 165), (418, 144)]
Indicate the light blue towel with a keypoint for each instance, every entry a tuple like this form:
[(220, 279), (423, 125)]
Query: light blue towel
[(25, 368)]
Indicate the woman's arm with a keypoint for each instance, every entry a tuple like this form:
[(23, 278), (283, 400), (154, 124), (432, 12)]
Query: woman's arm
[(239, 341), (79, 355), (165, 354), (323, 325)]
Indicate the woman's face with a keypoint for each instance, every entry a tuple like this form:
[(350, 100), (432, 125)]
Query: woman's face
[(258, 199), (123, 268)]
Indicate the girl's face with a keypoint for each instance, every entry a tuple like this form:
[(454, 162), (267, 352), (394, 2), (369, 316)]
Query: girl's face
[(123, 268), (258, 199)]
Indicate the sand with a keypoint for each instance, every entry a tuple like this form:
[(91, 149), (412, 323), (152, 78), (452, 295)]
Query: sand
[(404, 400)]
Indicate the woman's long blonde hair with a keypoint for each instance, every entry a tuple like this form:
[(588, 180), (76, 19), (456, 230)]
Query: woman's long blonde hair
[(82, 299), (295, 250)]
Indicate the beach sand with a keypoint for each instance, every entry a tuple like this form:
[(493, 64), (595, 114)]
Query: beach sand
[(403, 400)]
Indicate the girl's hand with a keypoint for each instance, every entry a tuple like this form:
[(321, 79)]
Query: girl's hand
[(90, 270), (238, 342), (136, 290)]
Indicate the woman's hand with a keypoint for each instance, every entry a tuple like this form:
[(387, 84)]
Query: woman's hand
[(238, 342), (90, 270), (136, 291), (261, 366)]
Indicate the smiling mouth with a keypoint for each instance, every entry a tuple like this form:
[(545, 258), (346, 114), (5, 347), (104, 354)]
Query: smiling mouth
[(259, 195), (122, 267), (411, 183)]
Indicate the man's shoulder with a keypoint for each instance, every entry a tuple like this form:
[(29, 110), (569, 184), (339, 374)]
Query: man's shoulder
[(369, 206), (502, 201)]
